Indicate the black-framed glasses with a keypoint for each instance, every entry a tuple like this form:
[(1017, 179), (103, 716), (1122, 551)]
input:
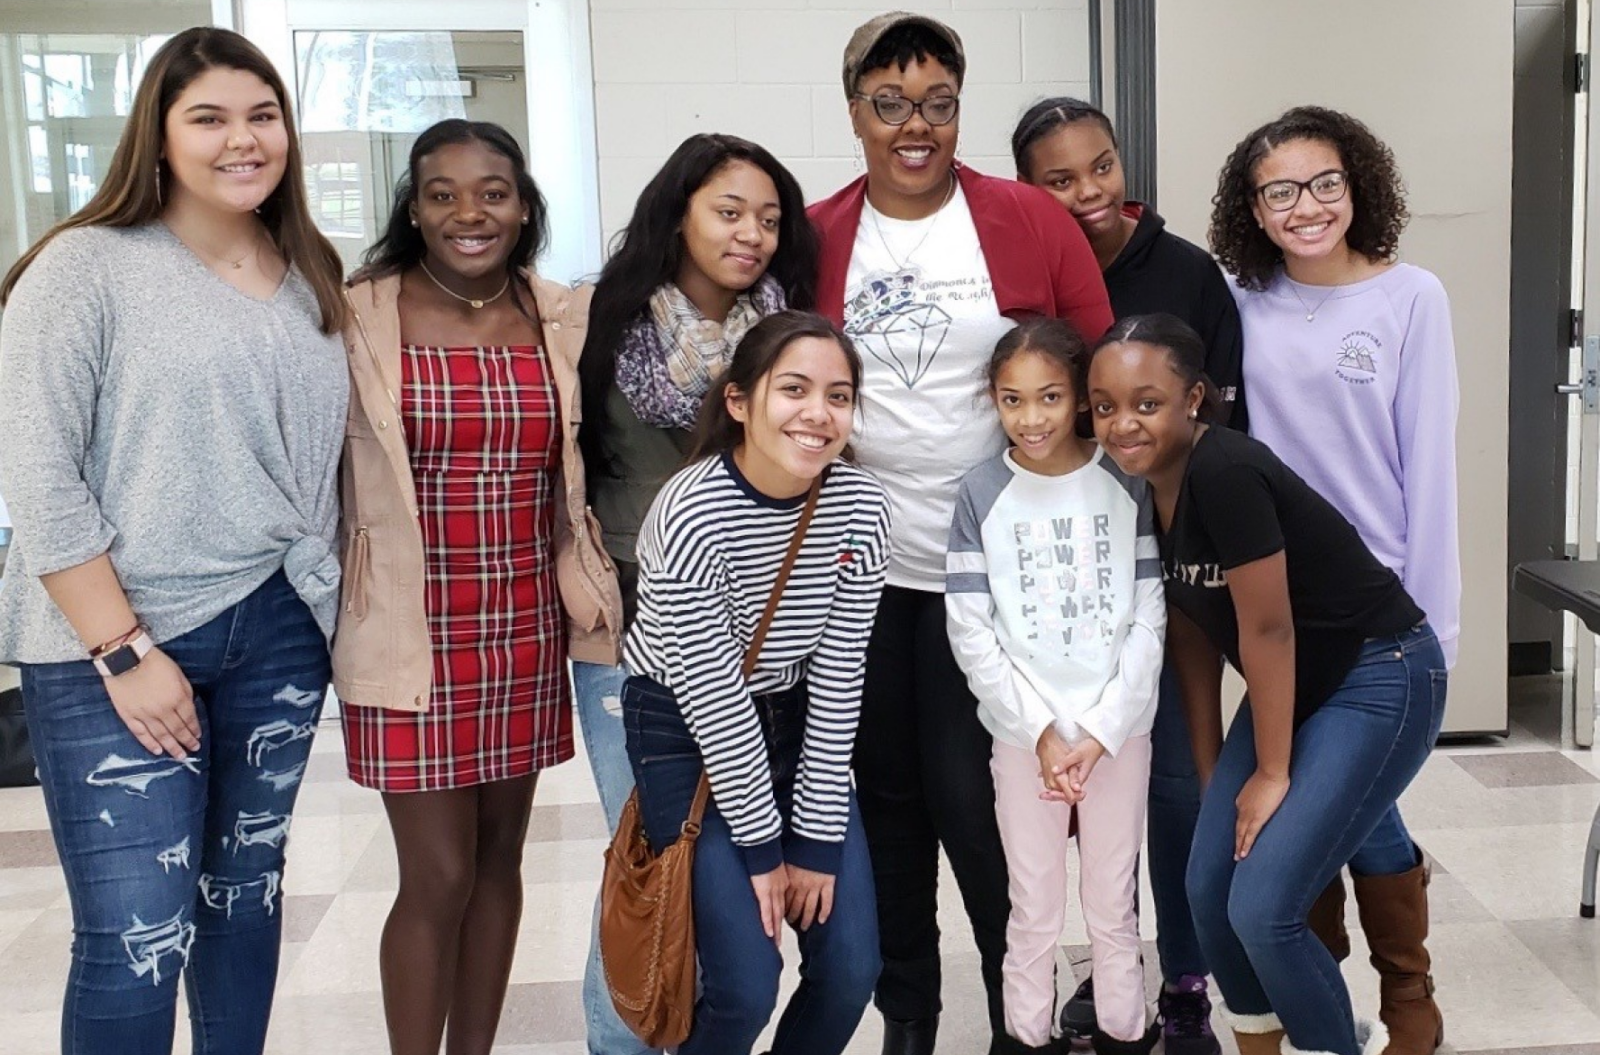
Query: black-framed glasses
[(1281, 195), (897, 109)]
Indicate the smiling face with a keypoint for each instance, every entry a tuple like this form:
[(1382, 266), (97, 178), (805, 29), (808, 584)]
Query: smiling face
[(468, 210), (908, 166), (729, 231), (1141, 407), (226, 145), (1038, 405), (1312, 231), (1078, 164), (797, 419)]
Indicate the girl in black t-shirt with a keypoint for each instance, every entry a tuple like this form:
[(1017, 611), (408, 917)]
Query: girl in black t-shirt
[(1344, 682)]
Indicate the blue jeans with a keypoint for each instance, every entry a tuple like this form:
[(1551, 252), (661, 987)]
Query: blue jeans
[(739, 964), (598, 689), (1350, 762), (176, 867), (1174, 807)]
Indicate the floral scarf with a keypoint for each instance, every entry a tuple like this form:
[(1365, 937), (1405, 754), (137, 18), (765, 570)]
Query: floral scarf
[(672, 354)]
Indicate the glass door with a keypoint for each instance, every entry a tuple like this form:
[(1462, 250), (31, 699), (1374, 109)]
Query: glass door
[(370, 75), (364, 96)]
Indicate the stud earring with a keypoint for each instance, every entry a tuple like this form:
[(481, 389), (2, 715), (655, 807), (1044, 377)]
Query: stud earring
[(1194, 415), (414, 223), (525, 221)]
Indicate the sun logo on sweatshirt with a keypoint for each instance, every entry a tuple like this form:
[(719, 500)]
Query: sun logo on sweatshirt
[(1357, 362)]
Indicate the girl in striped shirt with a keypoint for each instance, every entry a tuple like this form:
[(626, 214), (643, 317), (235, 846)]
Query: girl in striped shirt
[(782, 837)]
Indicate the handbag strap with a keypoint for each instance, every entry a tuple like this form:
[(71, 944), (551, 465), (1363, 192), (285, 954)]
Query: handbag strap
[(702, 794)]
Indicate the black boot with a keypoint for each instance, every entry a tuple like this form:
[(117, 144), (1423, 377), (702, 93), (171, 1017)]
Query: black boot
[(1105, 1044), (1077, 1014), (909, 1037)]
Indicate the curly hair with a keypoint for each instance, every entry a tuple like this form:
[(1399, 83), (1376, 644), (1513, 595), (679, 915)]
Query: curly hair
[(1376, 191)]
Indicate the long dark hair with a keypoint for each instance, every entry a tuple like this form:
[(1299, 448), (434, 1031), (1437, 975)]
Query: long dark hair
[(647, 254), (1186, 352), (401, 247), (1377, 194), (715, 430), (130, 193), (1044, 117)]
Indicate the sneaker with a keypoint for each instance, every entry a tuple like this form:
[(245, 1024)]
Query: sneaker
[(1077, 1015), (1185, 1014)]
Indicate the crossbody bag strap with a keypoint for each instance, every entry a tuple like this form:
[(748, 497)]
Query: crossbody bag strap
[(702, 794)]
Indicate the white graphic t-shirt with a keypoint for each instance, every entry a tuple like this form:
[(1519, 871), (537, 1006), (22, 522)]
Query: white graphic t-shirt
[(921, 308)]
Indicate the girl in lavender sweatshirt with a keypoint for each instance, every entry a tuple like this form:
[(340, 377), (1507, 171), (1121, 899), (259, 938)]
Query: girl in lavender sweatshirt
[(1350, 365)]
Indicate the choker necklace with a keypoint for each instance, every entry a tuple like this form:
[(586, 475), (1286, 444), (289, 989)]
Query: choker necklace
[(1311, 313), (476, 303)]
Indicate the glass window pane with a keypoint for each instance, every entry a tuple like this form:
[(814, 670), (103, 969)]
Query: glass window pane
[(363, 99), (72, 68)]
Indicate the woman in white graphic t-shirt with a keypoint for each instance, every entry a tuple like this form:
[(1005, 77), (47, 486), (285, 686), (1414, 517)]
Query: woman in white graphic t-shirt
[(926, 264)]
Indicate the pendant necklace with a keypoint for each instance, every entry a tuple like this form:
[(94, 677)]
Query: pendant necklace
[(1311, 313), (473, 301), (902, 266)]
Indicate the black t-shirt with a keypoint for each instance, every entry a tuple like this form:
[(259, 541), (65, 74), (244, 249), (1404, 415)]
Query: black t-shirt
[(1238, 504)]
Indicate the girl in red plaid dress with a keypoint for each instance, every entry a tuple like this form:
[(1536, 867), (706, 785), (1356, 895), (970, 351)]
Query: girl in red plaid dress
[(467, 554)]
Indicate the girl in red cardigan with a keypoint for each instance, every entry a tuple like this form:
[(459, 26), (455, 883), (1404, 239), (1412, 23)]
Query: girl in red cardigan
[(926, 263)]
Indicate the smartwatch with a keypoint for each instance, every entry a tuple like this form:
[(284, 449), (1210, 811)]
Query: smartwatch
[(124, 657)]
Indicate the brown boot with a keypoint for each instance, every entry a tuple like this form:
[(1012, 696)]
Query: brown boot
[(1394, 915), (1326, 919), (1259, 1043)]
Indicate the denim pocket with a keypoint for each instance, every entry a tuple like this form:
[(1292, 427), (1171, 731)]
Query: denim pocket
[(653, 725)]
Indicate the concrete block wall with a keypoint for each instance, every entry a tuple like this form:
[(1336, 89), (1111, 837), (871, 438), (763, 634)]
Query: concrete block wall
[(768, 70)]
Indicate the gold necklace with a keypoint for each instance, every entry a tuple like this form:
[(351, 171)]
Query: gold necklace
[(465, 300), (207, 255)]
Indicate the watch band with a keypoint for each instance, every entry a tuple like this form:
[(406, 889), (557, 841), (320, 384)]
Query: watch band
[(124, 657)]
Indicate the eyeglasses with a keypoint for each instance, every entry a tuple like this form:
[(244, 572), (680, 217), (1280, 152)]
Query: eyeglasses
[(1281, 195), (897, 110)]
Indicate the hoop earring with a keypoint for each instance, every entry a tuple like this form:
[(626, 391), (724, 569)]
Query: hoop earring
[(159, 200)]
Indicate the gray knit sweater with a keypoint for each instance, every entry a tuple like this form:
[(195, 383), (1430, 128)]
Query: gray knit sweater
[(150, 410)]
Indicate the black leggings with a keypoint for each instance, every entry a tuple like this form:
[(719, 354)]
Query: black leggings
[(923, 780)]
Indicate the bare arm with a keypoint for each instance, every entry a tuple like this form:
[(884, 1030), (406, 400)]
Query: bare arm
[(154, 700), (1260, 591), (1199, 668)]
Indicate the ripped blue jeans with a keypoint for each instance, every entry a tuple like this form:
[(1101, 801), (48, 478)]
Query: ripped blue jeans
[(175, 868)]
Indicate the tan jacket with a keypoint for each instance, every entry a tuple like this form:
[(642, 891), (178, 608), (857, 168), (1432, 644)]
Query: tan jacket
[(382, 654)]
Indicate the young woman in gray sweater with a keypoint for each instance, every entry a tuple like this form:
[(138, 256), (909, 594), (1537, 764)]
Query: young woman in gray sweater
[(175, 391)]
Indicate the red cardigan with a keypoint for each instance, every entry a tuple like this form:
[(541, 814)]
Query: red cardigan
[(1039, 260)]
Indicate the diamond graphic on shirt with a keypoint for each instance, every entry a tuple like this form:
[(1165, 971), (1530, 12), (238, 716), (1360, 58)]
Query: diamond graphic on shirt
[(888, 324)]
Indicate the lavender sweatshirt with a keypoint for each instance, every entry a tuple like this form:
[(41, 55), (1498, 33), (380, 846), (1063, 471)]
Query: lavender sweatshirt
[(1361, 402)]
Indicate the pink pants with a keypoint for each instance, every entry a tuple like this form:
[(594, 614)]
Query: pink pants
[(1110, 829)]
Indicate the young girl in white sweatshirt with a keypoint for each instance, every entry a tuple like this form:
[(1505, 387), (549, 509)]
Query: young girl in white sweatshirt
[(1056, 615)]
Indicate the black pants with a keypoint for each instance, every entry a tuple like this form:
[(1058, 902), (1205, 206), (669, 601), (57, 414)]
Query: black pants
[(923, 779)]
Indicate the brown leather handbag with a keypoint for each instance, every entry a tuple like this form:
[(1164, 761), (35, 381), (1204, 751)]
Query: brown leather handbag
[(646, 911)]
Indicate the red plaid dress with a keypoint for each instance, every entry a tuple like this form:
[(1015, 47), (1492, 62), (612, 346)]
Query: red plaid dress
[(484, 435)]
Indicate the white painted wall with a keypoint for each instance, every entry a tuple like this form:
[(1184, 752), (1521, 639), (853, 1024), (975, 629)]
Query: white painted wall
[(768, 70), (1442, 101)]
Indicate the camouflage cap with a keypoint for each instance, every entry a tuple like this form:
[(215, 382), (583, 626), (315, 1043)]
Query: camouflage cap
[(868, 34)]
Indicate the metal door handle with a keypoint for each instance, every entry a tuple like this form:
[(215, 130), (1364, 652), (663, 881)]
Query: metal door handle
[(1573, 388)]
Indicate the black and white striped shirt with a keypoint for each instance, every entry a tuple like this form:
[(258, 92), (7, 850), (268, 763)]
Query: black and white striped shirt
[(709, 553)]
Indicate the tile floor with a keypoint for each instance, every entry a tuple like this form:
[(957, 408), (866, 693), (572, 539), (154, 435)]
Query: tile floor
[(1517, 970)]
